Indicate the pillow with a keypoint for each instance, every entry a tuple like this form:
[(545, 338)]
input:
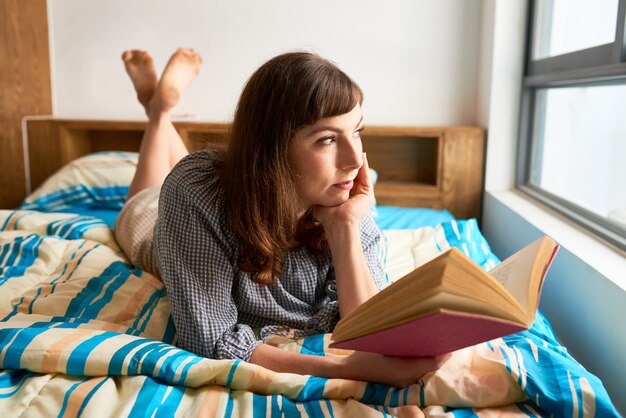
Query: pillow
[(97, 181), (393, 217), (406, 249)]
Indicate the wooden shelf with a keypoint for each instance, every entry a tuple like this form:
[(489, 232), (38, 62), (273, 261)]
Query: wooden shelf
[(436, 167)]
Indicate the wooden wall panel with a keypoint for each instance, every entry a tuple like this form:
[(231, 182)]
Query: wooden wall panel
[(24, 87), (436, 167)]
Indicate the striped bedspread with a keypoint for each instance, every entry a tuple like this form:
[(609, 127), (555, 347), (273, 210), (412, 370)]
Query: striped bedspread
[(83, 333)]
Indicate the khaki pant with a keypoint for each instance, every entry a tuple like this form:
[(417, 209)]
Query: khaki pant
[(134, 227)]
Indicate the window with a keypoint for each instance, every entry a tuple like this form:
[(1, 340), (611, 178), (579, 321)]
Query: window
[(572, 153)]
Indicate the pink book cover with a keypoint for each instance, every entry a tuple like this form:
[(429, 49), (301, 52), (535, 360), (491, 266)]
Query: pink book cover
[(440, 332)]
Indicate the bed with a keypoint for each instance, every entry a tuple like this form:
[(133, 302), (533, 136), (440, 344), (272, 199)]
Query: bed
[(85, 333)]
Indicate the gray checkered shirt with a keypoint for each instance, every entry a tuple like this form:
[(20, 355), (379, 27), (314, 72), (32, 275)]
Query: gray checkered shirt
[(218, 311)]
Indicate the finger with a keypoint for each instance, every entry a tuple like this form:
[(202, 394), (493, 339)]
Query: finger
[(363, 175), (360, 181), (366, 181)]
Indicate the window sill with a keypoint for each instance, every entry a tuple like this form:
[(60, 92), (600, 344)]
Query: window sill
[(597, 253)]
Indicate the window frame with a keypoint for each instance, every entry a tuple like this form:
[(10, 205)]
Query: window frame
[(595, 66)]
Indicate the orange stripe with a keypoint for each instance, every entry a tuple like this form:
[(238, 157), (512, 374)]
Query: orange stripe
[(211, 401), (128, 313), (260, 380), (54, 353), (78, 396), (12, 219)]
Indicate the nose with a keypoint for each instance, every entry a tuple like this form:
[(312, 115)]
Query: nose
[(350, 154)]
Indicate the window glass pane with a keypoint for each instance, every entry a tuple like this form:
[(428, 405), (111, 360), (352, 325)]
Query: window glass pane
[(563, 26), (579, 148)]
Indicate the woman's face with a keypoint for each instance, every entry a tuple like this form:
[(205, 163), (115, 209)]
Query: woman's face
[(326, 157)]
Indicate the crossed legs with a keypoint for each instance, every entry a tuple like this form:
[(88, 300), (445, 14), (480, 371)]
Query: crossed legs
[(161, 146)]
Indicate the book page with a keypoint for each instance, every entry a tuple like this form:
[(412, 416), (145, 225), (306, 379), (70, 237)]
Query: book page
[(514, 273)]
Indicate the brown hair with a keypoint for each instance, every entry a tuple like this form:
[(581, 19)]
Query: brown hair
[(285, 94)]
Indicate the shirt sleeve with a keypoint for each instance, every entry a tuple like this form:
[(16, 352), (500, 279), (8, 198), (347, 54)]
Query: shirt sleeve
[(327, 317), (193, 262), (370, 240)]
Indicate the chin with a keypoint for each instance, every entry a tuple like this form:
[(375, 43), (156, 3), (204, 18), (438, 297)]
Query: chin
[(339, 200), (329, 200)]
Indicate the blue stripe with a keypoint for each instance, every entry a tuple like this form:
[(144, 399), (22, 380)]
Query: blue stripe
[(259, 406), (188, 366), (77, 360), (75, 228), (231, 373), (170, 404), (150, 361), (15, 379), (463, 413), (147, 311), (149, 398), (170, 331), (171, 364), (19, 261), (80, 195), (313, 345), (314, 408), (85, 304), (229, 406), (14, 310), (275, 408), (437, 244), (117, 361), (288, 409), (394, 401), (330, 408), (17, 221), (7, 220), (32, 302), (375, 393), (5, 251), (313, 389), (146, 358), (72, 228), (525, 408)]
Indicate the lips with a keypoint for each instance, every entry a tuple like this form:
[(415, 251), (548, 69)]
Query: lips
[(344, 185)]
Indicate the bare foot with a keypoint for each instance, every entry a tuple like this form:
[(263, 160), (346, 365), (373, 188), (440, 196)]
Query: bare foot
[(140, 68), (181, 69)]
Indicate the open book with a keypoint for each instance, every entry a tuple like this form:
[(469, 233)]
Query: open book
[(449, 303)]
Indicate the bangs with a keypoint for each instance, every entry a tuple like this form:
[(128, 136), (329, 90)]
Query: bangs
[(336, 94)]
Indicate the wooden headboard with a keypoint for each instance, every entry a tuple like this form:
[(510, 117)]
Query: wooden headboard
[(436, 167)]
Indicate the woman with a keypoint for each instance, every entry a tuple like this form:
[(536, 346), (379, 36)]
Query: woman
[(272, 236)]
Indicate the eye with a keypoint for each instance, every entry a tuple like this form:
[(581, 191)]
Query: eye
[(327, 140), (357, 133)]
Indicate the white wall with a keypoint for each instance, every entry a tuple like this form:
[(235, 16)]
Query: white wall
[(415, 59)]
